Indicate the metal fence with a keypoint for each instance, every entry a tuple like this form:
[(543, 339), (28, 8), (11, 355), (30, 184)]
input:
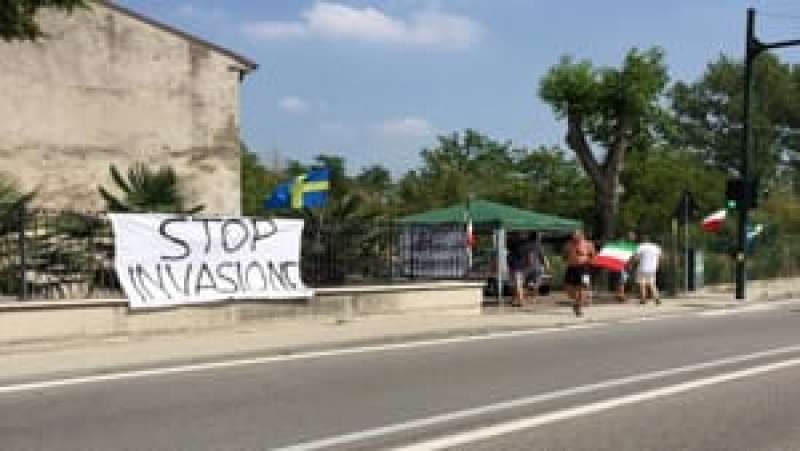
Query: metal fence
[(377, 251), (771, 257), (773, 254), (47, 254), (70, 255)]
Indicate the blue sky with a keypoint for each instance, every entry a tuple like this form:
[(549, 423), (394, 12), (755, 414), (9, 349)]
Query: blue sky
[(376, 80)]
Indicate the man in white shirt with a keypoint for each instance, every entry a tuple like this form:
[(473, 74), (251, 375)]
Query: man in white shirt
[(648, 257)]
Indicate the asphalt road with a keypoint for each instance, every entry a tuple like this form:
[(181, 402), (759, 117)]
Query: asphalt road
[(696, 382)]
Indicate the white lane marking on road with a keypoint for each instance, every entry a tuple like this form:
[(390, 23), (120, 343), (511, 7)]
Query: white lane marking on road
[(521, 402), (657, 317), (745, 309), (588, 409), (759, 307), (714, 313), (647, 318), (584, 325), (135, 374)]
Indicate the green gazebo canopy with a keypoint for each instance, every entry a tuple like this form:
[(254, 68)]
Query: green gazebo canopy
[(485, 212)]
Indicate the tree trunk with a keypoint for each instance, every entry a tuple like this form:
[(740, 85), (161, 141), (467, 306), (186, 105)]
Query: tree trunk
[(607, 202), (605, 177)]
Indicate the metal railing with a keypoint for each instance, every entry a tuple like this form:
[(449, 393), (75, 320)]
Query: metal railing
[(70, 255), (382, 252), (771, 255), (48, 254)]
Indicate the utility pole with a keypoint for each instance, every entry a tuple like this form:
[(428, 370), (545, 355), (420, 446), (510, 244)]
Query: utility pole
[(753, 48)]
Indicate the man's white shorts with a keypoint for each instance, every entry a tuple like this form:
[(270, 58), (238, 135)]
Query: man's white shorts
[(646, 278)]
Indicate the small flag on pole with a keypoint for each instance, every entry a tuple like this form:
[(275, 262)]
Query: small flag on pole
[(615, 255), (469, 240), (753, 231), (470, 234), (714, 222)]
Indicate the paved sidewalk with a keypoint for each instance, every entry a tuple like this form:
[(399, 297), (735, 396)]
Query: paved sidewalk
[(281, 337)]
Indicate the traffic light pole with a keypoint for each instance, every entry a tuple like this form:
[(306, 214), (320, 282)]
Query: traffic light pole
[(751, 51), (753, 47)]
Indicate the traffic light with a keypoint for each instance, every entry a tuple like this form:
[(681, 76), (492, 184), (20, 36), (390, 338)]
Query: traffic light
[(734, 193), (741, 194)]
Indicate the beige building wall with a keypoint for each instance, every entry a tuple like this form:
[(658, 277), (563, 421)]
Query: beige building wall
[(105, 88)]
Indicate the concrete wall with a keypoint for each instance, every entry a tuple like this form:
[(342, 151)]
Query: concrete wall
[(36, 321), (108, 88)]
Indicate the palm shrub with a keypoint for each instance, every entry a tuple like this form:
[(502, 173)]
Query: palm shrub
[(12, 200), (11, 197), (343, 238), (145, 190)]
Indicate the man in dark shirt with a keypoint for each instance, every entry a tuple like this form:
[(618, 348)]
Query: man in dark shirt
[(535, 261), (526, 263), (516, 268)]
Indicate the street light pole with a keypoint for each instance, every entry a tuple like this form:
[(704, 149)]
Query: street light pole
[(753, 48)]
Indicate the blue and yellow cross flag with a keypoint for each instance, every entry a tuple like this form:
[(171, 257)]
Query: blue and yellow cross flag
[(308, 190)]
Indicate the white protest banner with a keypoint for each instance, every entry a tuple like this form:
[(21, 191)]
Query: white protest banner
[(163, 260)]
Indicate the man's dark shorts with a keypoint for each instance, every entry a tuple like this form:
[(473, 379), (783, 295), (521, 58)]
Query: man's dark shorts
[(575, 274), (618, 279)]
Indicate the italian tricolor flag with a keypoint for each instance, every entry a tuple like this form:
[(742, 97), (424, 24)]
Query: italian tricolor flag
[(714, 221), (615, 255)]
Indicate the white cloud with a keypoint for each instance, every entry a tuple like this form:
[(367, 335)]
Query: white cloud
[(293, 104), (333, 20), (203, 13), (274, 30), (406, 127)]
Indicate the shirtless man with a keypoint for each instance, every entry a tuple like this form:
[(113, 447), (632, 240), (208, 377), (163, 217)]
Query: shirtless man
[(578, 254)]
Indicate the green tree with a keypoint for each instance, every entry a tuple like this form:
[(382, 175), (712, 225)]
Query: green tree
[(10, 193), (18, 17), (342, 232), (459, 166), (376, 179), (783, 209), (470, 164), (654, 182), (257, 182), (709, 113), (147, 191), (614, 108), (551, 182), (374, 185)]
